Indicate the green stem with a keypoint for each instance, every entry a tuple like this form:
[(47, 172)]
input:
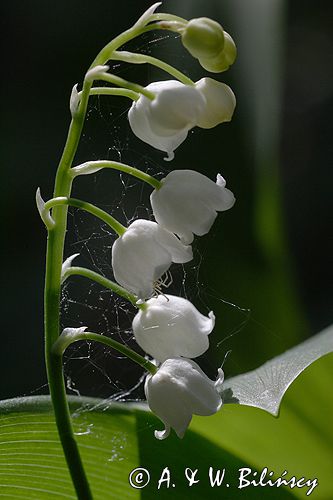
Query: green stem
[(111, 285), (88, 207), (94, 166), (66, 340), (105, 54), (63, 420), (53, 364), (161, 16), (54, 260), (134, 58), (135, 87), (113, 91)]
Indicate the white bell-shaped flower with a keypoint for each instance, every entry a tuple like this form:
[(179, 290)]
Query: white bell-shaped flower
[(220, 102), (178, 390), (188, 202), (143, 254), (163, 122), (171, 326)]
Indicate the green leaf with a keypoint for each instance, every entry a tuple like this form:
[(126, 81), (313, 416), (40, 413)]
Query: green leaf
[(32, 463), (113, 439), (300, 440), (265, 387)]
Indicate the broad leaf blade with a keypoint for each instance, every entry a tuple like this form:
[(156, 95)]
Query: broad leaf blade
[(265, 387), (299, 441), (113, 439), (31, 459)]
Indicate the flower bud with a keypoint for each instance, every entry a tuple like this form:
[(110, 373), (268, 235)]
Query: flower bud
[(224, 59), (203, 37), (178, 390), (171, 326)]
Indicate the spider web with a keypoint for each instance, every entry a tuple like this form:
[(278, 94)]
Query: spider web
[(93, 369)]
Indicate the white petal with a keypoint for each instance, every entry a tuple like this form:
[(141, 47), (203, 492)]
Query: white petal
[(138, 263), (219, 381), (143, 254), (188, 202), (179, 389), (160, 435), (204, 396), (170, 327), (179, 252), (226, 197), (220, 181), (173, 212), (200, 390), (176, 106), (164, 122), (221, 102), (167, 399), (142, 129), (178, 214)]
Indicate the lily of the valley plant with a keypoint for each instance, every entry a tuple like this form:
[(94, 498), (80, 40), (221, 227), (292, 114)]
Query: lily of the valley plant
[(184, 204)]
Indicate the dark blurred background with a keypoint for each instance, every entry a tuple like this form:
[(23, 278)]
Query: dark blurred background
[(264, 268)]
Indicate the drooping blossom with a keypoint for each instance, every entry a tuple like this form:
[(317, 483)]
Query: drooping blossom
[(187, 203), (180, 389), (164, 122), (143, 254), (171, 326)]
